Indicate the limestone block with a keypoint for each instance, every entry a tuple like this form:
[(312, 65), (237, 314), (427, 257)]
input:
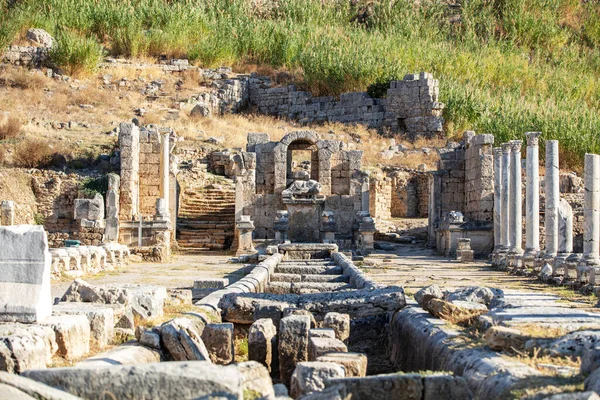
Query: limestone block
[(40, 37), (355, 364), (72, 334), (433, 291), (381, 387), (31, 388), (126, 354), (256, 379), (262, 342), (166, 380), (297, 311), (322, 333), (181, 338), (25, 263), (150, 338), (502, 338), (311, 377), (441, 386), (92, 209), (340, 323), (319, 346), (218, 339), (293, 344), (100, 317), (22, 345)]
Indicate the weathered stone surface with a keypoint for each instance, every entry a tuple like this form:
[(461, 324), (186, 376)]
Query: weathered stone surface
[(432, 290), (590, 360), (9, 392), (337, 392), (101, 318), (90, 209), (218, 339), (150, 338), (574, 344), (293, 344), (262, 342), (31, 388), (167, 380), (592, 382), (239, 307), (444, 386), (451, 312), (40, 37), (311, 377), (181, 338), (355, 364), (322, 333), (475, 294), (297, 311), (340, 323), (380, 387), (72, 334), (24, 346), (318, 346), (574, 396), (126, 354), (256, 379), (25, 263), (502, 338)]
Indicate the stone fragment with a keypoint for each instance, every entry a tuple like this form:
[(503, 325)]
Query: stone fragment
[(72, 334), (592, 382), (262, 342), (475, 294), (590, 395), (20, 352), (293, 344), (590, 360), (441, 386), (296, 311), (90, 209), (150, 339), (101, 319), (322, 333), (165, 380), (340, 323), (381, 386), (318, 346), (218, 339), (40, 37), (355, 364), (181, 338), (433, 290), (30, 388), (337, 392), (502, 338), (574, 344), (311, 376), (125, 354), (25, 263), (256, 379), (450, 312), (546, 272), (280, 390)]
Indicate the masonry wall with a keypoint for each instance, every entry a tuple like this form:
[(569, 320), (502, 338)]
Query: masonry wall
[(479, 177), (149, 171), (380, 197)]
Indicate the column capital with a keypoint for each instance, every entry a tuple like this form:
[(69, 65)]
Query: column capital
[(497, 151), (533, 138), (506, 148), (515, 145)]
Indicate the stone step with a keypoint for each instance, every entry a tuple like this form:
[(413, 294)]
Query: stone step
[(276, 277), (308, 269), (309, 262), (305, 287)]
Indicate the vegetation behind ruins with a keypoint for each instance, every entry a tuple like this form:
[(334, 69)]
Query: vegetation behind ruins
[(505, 66)]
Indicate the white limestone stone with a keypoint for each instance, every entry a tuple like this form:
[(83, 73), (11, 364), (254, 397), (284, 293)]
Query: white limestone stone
[(532, 196), (551, 187)]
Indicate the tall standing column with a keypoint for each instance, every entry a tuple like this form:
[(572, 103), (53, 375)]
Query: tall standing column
[(532, 200), (591, 216), (551, 187), (516, 212), (165, 171), (505, 203), (497, 199)]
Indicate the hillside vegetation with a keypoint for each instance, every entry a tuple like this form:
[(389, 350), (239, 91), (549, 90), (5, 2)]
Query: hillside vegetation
[(505, 66)]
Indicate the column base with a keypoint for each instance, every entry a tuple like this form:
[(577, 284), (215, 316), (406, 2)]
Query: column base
[(559, 267), (584, 269), (499, 258), (528, 259)]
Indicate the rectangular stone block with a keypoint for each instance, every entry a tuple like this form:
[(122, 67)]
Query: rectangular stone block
[(319, 346), (24, 274), (355, 364)]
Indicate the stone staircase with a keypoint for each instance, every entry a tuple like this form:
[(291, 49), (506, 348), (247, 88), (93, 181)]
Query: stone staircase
[(307, 276), (206, 219)]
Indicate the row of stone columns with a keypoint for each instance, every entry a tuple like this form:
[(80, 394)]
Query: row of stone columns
[(557, 260)]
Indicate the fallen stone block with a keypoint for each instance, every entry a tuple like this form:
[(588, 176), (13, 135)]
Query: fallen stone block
[(311, 377), (475, 294), (322, 333), (256, 380), (150, 338), (262, 342), (337, 392), (239, 307), (318, 346), (453, 313), (355, 364), (10, 334), (19, 353), (574, 396), (25, 263), (340, 323), (100, 317), (297, 311), (590, 360), (500, 338), (179, 296), (444, 386), (72, 335), (126, 354), (167, 380), (218, 339), (574, 344), (389, 386), (30, 388), (293, 344), (204, 287), (434, 291), (181, 338)]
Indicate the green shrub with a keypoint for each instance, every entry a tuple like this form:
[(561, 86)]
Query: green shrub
[(76, 55)]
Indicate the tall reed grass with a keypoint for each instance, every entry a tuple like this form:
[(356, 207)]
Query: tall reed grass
[(505, 66)]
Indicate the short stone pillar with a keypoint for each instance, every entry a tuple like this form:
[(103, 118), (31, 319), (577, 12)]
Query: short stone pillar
[(565, 237), (166, 150), (111, 230), (281, 225), (25, 263), (505, 203), (162, 212), (551, 187), (328, 227), (366, 232), (464, 253), (591, 223), (245, 227), (497, 200), (8, 213), (532, 201), (516, 213)]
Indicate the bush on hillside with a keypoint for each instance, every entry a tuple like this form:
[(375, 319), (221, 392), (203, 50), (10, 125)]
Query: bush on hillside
[(10, 129), (33, 153), (76, 55)]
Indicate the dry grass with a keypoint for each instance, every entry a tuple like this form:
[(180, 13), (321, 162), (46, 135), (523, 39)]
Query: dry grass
[(10, 128), (33, 153), (28, 80)]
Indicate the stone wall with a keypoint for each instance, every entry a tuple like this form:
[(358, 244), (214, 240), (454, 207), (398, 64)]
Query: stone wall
[(479, 177), (411, 106), (380, 197), (25, 55), (149, 170)]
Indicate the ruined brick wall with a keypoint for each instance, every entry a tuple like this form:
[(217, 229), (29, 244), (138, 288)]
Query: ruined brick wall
[(411, 106), (25, 55), (380, 197), (149, 170), (479, 177), (55, 194)]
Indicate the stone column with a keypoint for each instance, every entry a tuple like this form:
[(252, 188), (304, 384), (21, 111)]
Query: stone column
[(111, 231), (364, 195), (505, 203), (591, 214), (8, 213), (497, 199), (565, 237), (532, 199), (551, 187), (165, 171)]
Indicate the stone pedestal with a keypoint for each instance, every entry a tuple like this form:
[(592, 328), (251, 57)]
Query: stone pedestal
[(281, 225), (365, 241), (8, 213), (591, 224), (328, 227), (304, 219), (245, 227), (532, 200), (463, 251)]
